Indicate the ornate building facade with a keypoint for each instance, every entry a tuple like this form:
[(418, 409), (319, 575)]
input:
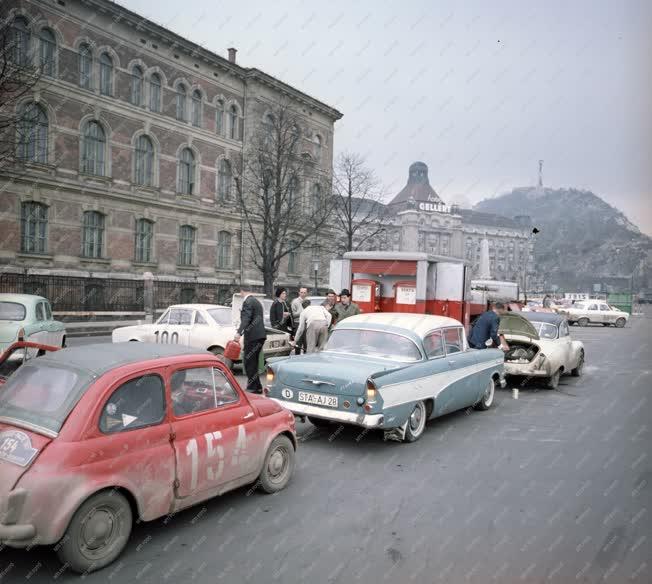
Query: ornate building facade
[(128, 150), (421, 221)]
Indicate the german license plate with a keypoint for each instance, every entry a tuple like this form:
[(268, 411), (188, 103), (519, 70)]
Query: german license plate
[(318, 399), (275, 344)]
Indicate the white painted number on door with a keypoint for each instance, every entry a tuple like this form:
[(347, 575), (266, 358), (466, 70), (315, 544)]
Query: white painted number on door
[(212, 451), (191, 450)]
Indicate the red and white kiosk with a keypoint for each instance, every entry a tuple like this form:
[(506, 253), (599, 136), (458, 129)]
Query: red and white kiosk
[(404, 282)]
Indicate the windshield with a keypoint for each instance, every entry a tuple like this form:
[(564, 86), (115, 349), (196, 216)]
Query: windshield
[(374, 344), (545, 330), (41, 395), (221, 316), (12, 311)]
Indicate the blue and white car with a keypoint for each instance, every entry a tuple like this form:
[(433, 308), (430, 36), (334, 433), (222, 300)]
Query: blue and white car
[(390, 371)]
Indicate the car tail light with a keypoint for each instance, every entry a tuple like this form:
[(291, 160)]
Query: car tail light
[(21, 334), (372, 391), (270, 375)]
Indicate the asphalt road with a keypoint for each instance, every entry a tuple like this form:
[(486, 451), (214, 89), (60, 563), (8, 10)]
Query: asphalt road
[(555, 486)]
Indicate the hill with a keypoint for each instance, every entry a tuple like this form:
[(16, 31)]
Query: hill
[(583, 241)]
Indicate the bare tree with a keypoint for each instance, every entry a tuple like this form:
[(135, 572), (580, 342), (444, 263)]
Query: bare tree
[(19, 73), (359, 210), (278, 219)]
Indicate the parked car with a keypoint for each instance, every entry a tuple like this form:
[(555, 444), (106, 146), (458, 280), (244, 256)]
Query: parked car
[(18, 353), (204, 326), (94, 437), (595, 312), (29, 317), (388, 371), (540, 346)]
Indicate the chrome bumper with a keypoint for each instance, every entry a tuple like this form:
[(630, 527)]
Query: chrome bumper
[(525, 370), (364, 420)]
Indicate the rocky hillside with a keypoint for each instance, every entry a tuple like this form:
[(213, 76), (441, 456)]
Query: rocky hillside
[(583, 239)]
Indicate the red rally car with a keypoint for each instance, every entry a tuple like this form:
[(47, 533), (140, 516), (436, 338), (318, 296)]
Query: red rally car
[(93, 437)]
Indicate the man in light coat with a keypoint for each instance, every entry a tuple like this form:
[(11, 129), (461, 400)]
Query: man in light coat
[(314, 321)]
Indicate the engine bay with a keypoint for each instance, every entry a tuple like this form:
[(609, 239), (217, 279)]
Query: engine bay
[(520, 352)]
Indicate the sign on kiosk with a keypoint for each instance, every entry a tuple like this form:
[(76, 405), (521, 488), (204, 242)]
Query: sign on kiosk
[(405, 296), (366, 294), (361, 293)]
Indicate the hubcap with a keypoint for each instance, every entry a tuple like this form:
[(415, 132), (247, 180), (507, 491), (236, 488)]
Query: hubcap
[(99, 529), (417, 418), (277, 465)]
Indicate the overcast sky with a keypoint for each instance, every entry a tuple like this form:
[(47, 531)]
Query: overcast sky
[(479, 91)]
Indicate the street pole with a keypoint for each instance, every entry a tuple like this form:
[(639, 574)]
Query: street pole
[(316, 291)]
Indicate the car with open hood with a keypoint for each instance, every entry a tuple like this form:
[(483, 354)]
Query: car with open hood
[(540, 346), (28, 317), (204, 326), (390, 371), (94, 438), (594, 311)]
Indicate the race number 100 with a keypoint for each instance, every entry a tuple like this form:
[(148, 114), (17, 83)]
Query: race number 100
[(166, 338)]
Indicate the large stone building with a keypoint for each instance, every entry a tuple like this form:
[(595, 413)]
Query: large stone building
[(421, 221), (127, 159)]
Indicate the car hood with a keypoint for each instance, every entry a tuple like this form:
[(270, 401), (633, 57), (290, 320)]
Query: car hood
[(327, 372), (517, 325)]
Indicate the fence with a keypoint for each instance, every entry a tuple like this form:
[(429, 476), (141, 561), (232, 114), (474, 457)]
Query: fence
[(70, 294)]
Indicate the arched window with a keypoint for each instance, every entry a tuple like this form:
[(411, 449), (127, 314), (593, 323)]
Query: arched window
[(94, 149), (144, 161), (34, 228), (143, 243), (155, 92), (268, 127), (137, 85), (196, 108), (85, 67), (293, 258), (186, 245), (93, 235), (318, 146), (106, 74), (219, 117), (20, 40), (33, 134), (47, 52), (224, 180), (316, 198), (181, 102), (233, 122), (186, 172), (224, 249)]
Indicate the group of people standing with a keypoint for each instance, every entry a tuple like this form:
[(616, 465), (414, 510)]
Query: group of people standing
[(309, 325)]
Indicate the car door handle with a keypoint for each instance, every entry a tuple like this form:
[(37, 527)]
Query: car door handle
[(249, 415)]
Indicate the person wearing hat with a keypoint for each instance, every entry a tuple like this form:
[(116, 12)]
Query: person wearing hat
[(329, 304), (345, 308)]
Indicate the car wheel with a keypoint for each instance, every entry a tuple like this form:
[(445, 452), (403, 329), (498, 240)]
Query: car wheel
[(219, 353), (320, 422), (63, 342), (577, 372), (553, 381), (583, 321), (487, 397), (278, 465), (97, 533), (416, 422), (620, 323)]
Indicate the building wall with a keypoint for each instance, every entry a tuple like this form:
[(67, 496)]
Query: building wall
[(67, 192)]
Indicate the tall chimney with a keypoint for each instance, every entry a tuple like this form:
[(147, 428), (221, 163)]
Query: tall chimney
[(232, 53)]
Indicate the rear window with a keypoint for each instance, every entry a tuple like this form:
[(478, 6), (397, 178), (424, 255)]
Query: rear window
[(12, 311), (41, 395), (373, 343), (221, 316)]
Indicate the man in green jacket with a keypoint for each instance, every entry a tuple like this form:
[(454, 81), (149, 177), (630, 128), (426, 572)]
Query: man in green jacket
[(345, 308)]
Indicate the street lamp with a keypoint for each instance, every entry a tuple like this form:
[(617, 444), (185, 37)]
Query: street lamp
[(315, 267), (527, 260)]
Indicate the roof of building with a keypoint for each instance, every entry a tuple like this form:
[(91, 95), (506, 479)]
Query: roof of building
[(417, 188), (102, 357)]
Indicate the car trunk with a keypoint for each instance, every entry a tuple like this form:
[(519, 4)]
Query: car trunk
[(19, 448), (330, 373), (520, 352)]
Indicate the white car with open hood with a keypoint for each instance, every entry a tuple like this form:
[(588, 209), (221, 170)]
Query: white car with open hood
[(205, 326), (540, 346)]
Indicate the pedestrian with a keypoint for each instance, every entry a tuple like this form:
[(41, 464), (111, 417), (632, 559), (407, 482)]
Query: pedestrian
[(329, 304), (314, 323), (296, 305), (486, 329), (280, 316), (252, 328), (300, 341), (345, 308)]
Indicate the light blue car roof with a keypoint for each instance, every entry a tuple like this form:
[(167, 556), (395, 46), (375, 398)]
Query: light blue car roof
[(26, 299), (385, 328)]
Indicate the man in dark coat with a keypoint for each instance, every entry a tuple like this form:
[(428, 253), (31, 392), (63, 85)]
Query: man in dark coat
[(486, 329), (252, 327)]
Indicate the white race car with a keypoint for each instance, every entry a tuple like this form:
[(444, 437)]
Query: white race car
[(594, 312), (540, 346), (205, 326)]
